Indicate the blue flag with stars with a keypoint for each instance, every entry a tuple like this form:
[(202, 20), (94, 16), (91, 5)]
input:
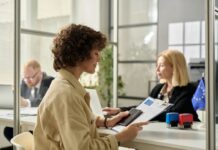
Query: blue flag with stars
[(198, 99)]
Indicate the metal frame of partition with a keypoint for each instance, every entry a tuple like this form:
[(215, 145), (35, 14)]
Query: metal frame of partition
[(210, 74), (16, 66), (115, 51)]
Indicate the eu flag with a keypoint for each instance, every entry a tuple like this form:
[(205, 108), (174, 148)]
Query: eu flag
[(198, 100)]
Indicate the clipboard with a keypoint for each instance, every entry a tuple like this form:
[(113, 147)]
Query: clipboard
[(150, 108)]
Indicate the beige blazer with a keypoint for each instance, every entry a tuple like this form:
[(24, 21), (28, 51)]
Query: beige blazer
[(65, 121)]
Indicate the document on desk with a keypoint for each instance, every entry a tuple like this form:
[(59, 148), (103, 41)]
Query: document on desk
[(27, 111), (151, 108)]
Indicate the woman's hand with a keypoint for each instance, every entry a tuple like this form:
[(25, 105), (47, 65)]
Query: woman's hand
[(111, 111), (130, 132), (115, 119)]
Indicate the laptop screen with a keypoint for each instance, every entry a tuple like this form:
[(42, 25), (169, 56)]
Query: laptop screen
[(6, 96)]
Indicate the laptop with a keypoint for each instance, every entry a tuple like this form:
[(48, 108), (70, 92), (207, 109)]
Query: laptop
[(6, 96), (95, 102)]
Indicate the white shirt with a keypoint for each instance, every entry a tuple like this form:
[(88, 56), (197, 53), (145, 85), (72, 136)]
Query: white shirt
[(33, 92)]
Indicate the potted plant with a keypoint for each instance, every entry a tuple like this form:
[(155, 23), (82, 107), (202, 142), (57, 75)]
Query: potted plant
[(105, 76)]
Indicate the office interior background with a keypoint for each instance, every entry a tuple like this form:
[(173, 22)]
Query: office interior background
[(145, 27)]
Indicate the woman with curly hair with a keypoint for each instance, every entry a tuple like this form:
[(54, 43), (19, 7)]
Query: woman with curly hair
[(65, 120)]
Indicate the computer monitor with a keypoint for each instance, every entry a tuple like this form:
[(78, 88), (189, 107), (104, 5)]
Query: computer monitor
[(6, 96), (196, 68)]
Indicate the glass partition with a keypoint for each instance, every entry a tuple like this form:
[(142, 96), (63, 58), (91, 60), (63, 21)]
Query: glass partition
[(39, 48), (45, 15), (6, 61), (135, 75), (137, 47), (136, 12), (138, 43)]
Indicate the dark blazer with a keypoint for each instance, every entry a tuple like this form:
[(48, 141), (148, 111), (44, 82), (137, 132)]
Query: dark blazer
[(26, 91), (181, 99)]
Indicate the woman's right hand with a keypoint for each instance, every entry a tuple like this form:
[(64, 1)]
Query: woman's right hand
[(111, 111), (130, 132)]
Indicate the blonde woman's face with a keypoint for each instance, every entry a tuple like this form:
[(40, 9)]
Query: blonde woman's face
[(163, 69)]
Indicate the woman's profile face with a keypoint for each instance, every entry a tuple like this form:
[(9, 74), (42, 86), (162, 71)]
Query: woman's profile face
[(163, 69), (90, 64)]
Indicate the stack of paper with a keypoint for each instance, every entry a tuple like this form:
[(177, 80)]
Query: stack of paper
[(125, 148), (26, 111)]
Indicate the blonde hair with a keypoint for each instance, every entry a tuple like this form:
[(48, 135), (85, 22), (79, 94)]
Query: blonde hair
[(177, 60)]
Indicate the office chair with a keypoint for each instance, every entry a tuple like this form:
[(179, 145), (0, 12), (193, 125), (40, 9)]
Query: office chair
[(23, 141)]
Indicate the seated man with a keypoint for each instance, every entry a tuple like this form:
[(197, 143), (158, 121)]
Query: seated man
[(34, 85)]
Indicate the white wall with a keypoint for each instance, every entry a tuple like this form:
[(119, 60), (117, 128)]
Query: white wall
[(173, 11)]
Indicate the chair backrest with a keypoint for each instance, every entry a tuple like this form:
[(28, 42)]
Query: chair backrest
[(23, 141)]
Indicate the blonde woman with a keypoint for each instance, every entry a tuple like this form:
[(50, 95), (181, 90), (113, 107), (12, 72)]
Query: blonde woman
[(174, 86)]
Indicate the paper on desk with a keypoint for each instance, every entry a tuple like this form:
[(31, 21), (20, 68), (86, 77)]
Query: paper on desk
[(27, 111), (151, 107), (125, 148)]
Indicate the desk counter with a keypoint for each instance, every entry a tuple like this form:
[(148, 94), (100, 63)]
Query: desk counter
[(155, 135)]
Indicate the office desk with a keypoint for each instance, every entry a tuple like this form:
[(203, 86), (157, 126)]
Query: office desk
[(154, 136), (26, 122)]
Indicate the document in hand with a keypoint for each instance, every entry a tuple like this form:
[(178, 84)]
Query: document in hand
[(150, 108), (133, 114)]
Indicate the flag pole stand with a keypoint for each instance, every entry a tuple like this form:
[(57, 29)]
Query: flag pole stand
[(202, 116)]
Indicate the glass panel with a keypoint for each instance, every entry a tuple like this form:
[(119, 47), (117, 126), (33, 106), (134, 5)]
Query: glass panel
[(6, 52), (203, 51), (192, 52), (6, 65), (39, 48), (138, 43), (6, 41), (179, 48), (42, 17), (203, 32), (175, 33), (192, 32), (216, 31), (137, 11), (138, 81)]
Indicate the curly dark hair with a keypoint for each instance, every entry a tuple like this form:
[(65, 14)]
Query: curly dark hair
[(74, 45)]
